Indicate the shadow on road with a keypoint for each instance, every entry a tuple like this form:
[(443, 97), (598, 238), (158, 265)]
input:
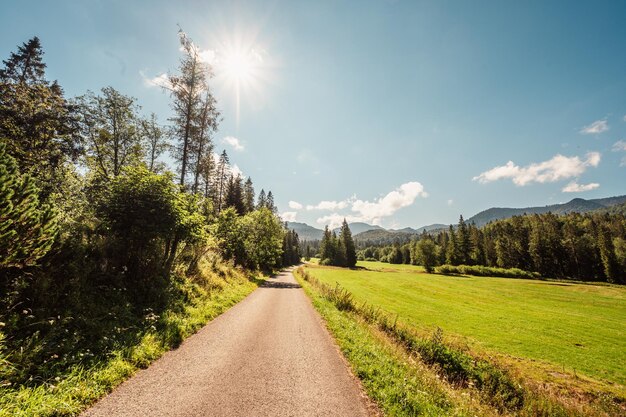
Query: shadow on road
[(278, 284)]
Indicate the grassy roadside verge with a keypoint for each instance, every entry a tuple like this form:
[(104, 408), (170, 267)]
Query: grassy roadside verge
[(493, 387), (81, 385)]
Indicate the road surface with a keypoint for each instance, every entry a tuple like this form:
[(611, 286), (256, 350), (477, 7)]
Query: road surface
[(269, 355)]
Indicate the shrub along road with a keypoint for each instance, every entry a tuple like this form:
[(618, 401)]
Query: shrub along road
[(268, 355)]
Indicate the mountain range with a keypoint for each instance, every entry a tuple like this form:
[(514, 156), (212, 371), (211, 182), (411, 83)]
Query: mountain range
[(577, 205), (376, 235)]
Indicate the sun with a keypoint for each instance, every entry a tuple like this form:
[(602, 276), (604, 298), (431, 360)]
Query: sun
[(240, 66)]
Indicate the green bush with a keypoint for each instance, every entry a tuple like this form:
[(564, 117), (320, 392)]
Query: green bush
[(485, 271)]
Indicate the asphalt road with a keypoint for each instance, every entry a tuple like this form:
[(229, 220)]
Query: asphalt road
[(269, 355)]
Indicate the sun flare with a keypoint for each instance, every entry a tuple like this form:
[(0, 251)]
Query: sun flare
[(240, 66)]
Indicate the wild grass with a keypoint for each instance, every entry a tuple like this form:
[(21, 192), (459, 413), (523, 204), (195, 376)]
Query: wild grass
[(204, 297)]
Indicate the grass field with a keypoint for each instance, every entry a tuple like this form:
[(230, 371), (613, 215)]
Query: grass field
[(573, 327)]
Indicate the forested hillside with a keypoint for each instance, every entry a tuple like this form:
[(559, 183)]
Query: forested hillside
[(102, 247), (577, 205)]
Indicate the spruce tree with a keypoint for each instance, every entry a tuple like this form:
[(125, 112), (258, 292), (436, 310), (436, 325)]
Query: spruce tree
[(185, 89), (270, 203), (26, 66), (326, 250), (463, 243), (452, 251), (222, 177), (36, 122), (262, 202), (248, 195), (348, 245), (206, 123), (234, 195)]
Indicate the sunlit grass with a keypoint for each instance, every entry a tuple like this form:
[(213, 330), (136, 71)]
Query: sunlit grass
[(570, 327), (399, 385)]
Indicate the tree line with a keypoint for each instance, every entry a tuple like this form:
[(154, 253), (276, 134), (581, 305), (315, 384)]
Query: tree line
[(88, 207), (589, 247)]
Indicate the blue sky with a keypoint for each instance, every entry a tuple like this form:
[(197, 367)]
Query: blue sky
[(403, 113)]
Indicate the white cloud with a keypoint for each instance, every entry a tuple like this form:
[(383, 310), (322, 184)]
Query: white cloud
[(289, 216), (235, 170), (595, 128), (161, 80), (402, 196), (208, 56), (370, 212), (574, 187), (624, 118), (295, 205), (334, 220), (619, 146), (450, 202), (328, 205), (233, 142), (622, 163), (558, 168)]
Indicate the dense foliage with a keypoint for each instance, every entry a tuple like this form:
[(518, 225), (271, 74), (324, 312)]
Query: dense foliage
[(99, 242), (27, 228), (588, 247)]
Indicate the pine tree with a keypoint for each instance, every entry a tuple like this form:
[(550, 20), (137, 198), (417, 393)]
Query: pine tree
[(452, 252), (326, 246), (262, 202), (348, 244), (202, 145), (478, 250), (463, 243), (27, 227), (208, 170), (234, 195), (270, 203), (607, 254), (248, 195), (291, 248), (36, 122), (222, 176), (185, 90), (26, 66)]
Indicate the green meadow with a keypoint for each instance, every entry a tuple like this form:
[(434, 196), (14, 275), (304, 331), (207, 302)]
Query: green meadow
[(571, 327)]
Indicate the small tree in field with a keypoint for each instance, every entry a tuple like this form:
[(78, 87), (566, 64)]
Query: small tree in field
[(427, 254)]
